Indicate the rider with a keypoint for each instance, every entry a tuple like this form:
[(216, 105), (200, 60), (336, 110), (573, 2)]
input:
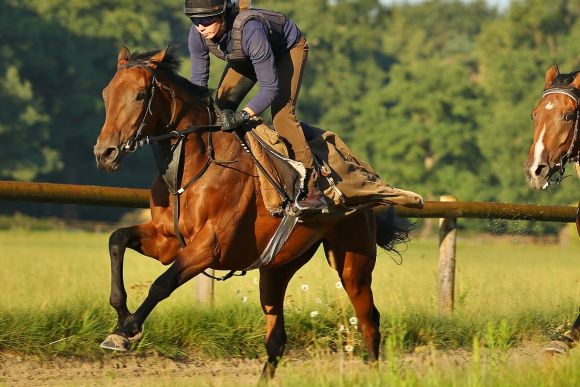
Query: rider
[(262, 46)]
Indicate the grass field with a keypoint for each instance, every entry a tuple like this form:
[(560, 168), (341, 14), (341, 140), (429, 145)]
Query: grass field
[(509, 292)]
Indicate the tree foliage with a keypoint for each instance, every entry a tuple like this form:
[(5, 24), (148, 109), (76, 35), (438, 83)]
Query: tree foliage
[(436, 96)]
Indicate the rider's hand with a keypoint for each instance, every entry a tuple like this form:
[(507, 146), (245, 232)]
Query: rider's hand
[(232, 120)]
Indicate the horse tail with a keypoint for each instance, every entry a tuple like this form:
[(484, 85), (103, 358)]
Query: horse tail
[(391, 230)]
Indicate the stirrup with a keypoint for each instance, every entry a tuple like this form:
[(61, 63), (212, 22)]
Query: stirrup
[(323, 209)]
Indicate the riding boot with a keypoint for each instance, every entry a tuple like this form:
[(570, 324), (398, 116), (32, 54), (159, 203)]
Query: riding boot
[(313, 200)]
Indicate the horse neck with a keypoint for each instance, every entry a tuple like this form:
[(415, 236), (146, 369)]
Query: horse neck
[(190, 111)]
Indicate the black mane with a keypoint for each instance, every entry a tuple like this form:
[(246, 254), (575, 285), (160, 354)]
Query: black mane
[(565, 79), (170, 67)]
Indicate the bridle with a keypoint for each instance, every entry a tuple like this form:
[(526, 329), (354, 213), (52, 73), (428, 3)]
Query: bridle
[(138, 140), (570, 155)]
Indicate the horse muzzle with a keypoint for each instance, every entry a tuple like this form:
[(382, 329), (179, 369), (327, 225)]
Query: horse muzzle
[(538, 176), (108, 158)]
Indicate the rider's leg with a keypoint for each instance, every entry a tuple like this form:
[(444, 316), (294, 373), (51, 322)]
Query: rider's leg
[(236, 82), (290, 67)]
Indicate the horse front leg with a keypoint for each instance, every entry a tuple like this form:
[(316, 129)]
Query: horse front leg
[(187, 263), (145, 239), (273, 284)]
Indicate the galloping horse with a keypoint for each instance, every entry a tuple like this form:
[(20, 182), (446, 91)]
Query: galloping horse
[(222, 217), (556, 143)]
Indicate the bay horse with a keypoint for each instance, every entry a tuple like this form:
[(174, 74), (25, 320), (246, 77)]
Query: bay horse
[(222, 217), (556, 143)]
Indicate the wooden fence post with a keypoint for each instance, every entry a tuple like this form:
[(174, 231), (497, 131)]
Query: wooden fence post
[(447, 246), (204, 288)]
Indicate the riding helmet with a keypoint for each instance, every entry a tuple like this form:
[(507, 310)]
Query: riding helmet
[(203, 8)]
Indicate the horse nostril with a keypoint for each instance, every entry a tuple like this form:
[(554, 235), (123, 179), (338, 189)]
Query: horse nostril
[(109, 153), (539, 169)]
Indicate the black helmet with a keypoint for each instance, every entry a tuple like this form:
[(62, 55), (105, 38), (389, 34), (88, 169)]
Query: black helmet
[(203, 8)]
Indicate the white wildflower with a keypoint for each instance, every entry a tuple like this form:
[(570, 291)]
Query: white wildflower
[(338, 285), (314, 314), (342, 328), (353, 321), (348, 348), (304, 287), (244, 299)]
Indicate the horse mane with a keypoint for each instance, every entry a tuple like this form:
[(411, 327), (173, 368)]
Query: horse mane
[(170, 67), (565, 79)]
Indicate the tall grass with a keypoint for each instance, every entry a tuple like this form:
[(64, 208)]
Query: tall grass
[(55, 284)]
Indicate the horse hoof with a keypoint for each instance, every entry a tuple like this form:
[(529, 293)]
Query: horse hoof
[(116, 342), (557, 347)]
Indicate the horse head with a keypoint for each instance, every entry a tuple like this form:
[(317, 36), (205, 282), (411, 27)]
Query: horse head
[(147, 97), (555, 119)]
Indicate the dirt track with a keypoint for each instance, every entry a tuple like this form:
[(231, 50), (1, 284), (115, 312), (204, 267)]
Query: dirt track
[(129, 370), (125, 371)]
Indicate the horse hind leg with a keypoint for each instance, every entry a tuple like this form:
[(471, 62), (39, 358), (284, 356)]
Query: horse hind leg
[(273, 285), (351, 251)]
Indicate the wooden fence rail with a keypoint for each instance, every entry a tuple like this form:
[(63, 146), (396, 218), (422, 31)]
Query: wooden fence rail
[(139, 198), (448, 210)]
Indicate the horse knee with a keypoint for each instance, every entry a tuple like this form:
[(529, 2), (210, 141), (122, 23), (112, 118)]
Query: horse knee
[(117, 241)]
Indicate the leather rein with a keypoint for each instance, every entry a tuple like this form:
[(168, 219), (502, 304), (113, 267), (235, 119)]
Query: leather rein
[(570, 155)]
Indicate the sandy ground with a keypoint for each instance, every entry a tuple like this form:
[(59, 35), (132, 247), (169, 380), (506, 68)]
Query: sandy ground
[(130, 370), (124, 370)]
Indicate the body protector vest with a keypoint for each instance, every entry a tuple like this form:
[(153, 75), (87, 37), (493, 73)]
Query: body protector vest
[(272, 21)]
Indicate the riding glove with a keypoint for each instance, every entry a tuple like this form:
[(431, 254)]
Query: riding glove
[(232, 120)]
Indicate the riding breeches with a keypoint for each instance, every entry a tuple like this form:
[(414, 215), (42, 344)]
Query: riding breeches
[(238, 78)]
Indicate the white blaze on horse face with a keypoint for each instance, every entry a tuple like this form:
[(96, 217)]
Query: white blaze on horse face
[(549, 106), (538, 150)]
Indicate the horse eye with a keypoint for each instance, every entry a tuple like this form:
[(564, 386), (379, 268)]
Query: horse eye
[(141, 95), (569, 117)]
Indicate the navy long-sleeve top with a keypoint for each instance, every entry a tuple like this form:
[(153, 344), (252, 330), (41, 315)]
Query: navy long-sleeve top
[(258, 46)]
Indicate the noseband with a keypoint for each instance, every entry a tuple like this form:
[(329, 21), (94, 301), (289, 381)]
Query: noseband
[(573, 93)]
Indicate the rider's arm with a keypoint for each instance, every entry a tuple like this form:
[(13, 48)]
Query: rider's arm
[(256, 45), (199, 54)]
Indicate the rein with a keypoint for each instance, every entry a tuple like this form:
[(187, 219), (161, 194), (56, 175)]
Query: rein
[(571, 92), (136, 142)]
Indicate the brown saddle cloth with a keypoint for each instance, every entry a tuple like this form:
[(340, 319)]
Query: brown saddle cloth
[(348, 183)]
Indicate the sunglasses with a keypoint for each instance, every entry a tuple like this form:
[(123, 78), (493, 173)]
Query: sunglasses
[(204, 21)]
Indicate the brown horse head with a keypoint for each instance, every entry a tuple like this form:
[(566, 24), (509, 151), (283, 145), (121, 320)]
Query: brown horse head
[(556, 129), (132, 108)]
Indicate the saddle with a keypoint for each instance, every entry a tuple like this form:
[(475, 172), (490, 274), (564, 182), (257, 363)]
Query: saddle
[(348, 183)]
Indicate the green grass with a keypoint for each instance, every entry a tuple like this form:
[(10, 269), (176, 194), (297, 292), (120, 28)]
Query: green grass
[(56, 283)]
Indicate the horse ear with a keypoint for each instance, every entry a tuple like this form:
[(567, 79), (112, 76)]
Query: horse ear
[(576, 84), (158, 58), (124, 56), (551, 74)]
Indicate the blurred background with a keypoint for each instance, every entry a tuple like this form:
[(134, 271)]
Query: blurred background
[(436, 95)]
